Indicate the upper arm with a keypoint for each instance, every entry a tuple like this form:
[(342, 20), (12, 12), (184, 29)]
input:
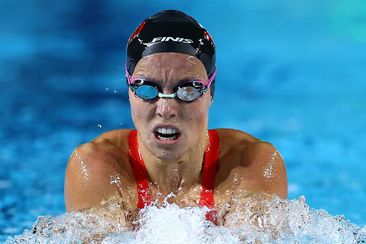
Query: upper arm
[(267, 172), (86, 180)]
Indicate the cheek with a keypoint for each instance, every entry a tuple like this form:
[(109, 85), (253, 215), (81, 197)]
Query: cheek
[(194, 113), (197, 112), (139, 109)]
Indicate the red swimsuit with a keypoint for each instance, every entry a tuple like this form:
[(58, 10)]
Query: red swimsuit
[(208, 177)]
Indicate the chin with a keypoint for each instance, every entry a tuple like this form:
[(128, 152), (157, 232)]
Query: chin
[(167, 155)]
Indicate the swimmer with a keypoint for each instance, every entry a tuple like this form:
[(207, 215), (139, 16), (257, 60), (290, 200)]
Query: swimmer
[(171, 155)]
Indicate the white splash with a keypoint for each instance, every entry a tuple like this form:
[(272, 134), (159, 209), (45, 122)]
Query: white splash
[(275, 221)]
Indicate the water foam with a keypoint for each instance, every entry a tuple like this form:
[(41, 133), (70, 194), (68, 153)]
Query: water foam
[(258, 219)]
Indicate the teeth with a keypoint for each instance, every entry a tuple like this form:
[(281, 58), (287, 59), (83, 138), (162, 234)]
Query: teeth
[(166, 138), (166, 131), (166, 134)]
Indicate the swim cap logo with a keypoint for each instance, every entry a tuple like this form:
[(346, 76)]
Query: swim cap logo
[(136, 32), (169, 38)]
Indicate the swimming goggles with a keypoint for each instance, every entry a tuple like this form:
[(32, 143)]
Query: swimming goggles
[(186, 91)]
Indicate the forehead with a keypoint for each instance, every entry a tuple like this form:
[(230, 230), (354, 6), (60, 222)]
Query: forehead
[(169, 66)]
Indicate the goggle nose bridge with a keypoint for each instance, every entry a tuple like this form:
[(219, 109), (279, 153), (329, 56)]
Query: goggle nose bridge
[(170, 96)]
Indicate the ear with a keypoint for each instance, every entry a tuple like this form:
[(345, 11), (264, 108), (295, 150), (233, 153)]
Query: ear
[(211, 94), (210, 102)]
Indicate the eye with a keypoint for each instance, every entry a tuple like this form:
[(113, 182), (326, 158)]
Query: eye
[(195, 84), (198, 84), (137, 82)]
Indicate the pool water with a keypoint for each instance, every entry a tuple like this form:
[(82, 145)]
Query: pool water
[(282, 221), (289, 73)]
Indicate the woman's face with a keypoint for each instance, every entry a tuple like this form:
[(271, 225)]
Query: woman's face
[(189, 120)]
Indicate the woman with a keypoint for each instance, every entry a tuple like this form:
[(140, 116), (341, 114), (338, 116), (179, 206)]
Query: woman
[(172, 156)]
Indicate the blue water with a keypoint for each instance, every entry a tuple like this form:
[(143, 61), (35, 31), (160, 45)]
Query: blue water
[(291, 73)]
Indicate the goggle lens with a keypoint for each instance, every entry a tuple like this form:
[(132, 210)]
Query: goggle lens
[(150, 92), (188, 93), (146, 92)]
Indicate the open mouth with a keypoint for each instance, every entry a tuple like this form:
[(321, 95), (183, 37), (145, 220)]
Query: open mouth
[(166, 133)]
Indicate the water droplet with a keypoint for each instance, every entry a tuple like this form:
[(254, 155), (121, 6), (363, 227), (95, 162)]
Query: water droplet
[(114, 179)]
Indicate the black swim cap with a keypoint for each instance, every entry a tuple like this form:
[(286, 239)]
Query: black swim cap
[(171, 31)]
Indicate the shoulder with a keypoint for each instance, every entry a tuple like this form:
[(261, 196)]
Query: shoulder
[(91, 167), (232, 141), (235, 134), (104, 151), (236, 141), (258, 162), (266, 171)]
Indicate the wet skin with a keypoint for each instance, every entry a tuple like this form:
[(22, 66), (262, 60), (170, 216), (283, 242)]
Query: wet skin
[(100, 169)]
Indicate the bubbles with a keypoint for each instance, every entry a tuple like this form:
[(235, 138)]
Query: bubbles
[(99, 126), (258, 220), (183, 224), (108, 89)]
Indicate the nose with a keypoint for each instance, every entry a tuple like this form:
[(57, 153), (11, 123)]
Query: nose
[(166, 108)]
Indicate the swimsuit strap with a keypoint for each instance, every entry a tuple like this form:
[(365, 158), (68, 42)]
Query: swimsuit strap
[(139, 171), (209, 170), (209, 174), (208, 177)]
